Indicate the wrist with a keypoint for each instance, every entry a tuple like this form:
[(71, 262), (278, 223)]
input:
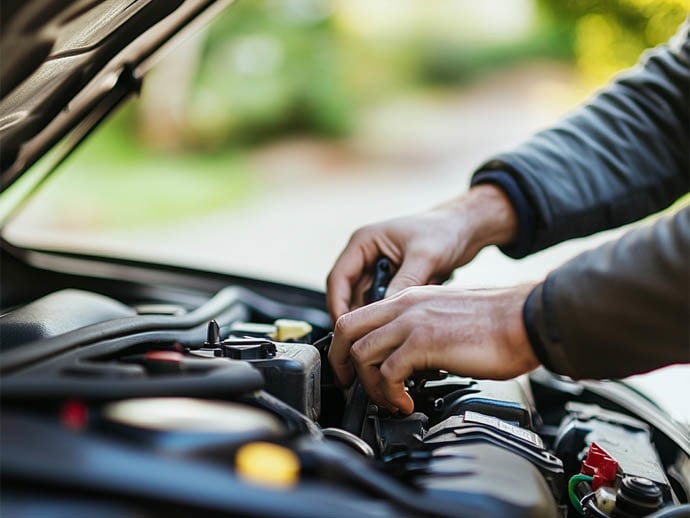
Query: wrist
[(512, 331), (492, 217), (482, 216)]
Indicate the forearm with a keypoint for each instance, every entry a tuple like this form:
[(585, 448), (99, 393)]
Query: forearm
[(617, 310)]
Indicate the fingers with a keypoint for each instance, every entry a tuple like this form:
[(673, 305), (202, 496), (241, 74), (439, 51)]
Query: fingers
[(370, 351), (367, 339), (385, 382), (395, 370), (346, 272), (375, 390), (349, 328), (385, 387), (415, 270), (338, 294), (351, 273)]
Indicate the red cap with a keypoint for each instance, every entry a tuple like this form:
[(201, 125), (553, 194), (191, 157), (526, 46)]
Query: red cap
[(600, 465)]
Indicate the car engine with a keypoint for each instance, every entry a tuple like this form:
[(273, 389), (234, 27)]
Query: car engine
[(229, 407)]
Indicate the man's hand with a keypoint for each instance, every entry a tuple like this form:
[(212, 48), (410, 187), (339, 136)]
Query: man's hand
[(478, 333), (424, 249)]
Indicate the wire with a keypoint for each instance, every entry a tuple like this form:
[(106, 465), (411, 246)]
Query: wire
[(587, 503), (572, 483)]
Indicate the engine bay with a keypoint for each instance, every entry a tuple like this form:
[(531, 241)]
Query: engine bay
[(229, 407)]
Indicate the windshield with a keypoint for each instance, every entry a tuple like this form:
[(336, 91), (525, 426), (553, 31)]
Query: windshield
[(259, 144)]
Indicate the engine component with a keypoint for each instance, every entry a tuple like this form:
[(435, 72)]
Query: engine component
[(637, 496), (605, 498), (382, 277), (246, 349), (508, 484), (294, 375), (625, 439), (187, 425), (267, 464), (282, 330), (600, 466), (220, 379), (171, 420), (288, 329), (291, 371), (506, 401), (356, 443), (474, 428), (56, 314)]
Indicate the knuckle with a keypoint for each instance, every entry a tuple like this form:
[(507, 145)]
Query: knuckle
[(411, 294), (388, 369), (426, 254), (357, 351), (362, 234), (417, 336), (407, 322), (365, 346), (342, 325)]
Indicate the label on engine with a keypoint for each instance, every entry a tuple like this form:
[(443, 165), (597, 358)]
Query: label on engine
[(499, 424)]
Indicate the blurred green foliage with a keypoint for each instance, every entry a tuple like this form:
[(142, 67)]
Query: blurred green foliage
[(609, 35), (441, 63), (267, 68)]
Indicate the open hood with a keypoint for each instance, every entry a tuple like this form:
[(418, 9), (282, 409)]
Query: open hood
[(66, 63)]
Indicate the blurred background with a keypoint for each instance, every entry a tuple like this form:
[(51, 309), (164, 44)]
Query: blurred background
[(261, 142)]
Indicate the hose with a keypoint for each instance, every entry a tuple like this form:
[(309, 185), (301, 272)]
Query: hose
[(572, 484)]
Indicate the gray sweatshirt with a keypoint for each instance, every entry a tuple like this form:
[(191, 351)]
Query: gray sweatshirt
[(624, 307)]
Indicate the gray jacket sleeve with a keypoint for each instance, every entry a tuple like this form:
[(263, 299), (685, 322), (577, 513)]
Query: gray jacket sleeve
[(622, 308), (620, 157), (617, 310)]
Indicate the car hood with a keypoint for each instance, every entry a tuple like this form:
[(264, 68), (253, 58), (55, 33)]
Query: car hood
[(69, 63)]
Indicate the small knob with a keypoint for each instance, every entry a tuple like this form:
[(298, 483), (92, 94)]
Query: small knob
[(212, 335), (248, 349), (637, 496)]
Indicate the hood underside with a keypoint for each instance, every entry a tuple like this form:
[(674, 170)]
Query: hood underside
[(62, 59)]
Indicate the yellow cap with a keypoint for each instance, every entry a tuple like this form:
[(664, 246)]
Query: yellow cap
[(291, 329), (267, 464)]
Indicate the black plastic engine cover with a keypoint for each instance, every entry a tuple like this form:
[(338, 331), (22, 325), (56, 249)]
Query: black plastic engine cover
[(503, 483), (291, 371), (501, 399), (294, 376)]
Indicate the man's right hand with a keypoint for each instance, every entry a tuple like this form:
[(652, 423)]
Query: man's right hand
[(424, 249)]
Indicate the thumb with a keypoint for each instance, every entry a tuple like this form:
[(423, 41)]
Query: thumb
[(414, 271)]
